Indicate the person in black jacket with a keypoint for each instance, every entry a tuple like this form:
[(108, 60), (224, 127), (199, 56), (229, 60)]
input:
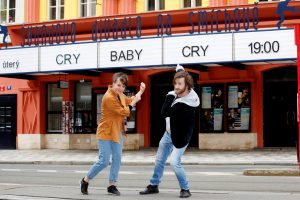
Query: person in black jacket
[(179, 111)]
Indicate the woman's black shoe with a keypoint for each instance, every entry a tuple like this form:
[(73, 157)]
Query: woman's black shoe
[(84, 186), (113, 190), (185, 193), (150, 189)]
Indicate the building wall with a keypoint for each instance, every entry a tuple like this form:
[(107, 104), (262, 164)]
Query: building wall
[(32, 11), (71, 10), (173, 4), (110, 7), (217, 3), (32, 94), (99, 8), (205, 3), (43, 10), (237, 2), (28, 104), (20, 14), (39, 10), (140, 6), (126, 7)]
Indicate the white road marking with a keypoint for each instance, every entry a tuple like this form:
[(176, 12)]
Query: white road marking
[(47, 171), (81, 172), (127, 172), (215, 173), (11, 170), (166, 173)]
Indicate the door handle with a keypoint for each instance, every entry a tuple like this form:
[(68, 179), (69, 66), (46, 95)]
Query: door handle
[(287, 118), (294, 118)]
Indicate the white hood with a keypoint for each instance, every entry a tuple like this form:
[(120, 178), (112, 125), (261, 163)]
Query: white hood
[(191, 99)]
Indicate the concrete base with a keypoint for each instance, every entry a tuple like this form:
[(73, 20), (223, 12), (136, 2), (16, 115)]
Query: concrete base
[(72, 141), (57, 141), (227, 141), (31, 141), (133, 141), (83, 141)]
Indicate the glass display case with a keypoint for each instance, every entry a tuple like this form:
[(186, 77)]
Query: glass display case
[(238, 112), (231, 100), (212, 105)]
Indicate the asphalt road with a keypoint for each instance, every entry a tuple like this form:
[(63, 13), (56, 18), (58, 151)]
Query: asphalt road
[(213, 182)]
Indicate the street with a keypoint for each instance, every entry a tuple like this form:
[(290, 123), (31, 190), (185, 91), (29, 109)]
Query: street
[(212, 182)]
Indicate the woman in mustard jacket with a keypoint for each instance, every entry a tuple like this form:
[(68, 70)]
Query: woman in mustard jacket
[(115, 107)]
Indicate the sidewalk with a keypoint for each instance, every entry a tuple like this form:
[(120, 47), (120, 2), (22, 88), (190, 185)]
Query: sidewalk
[(147, 157)]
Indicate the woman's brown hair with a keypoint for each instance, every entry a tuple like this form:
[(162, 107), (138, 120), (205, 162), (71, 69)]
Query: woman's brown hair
[(122, 77)]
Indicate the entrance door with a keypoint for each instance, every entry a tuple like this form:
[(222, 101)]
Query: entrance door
[(8, 121), (161, 84), (280, 107)]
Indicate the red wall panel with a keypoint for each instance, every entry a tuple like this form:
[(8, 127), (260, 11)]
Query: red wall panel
[(110, 7), (32, 11), (216, 3)]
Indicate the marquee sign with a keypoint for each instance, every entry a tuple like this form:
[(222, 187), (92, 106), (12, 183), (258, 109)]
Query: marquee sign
[(69, 57), (265, 45), (19, 60), (131, 53), (148, 52), (198, 49)]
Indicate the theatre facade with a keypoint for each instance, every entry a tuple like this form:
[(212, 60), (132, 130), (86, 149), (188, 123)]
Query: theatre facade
[(244, 65)]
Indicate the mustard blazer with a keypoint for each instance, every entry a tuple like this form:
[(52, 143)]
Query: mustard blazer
[(113, 112)]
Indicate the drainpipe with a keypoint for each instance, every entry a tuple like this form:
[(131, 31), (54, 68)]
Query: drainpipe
[(297, 41)]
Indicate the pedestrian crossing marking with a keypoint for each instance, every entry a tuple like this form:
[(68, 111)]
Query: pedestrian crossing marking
[(11, 170), (166, 173), (47, 171)]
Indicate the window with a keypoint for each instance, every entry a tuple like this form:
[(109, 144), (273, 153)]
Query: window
[(192, 3), (155, 5), (8, 11), (54, 108), (87, 8), (83, 108), (131, 120), (213, 108), (56, 9)]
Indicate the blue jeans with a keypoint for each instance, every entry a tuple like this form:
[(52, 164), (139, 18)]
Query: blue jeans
[(165, 149), (107, 147)]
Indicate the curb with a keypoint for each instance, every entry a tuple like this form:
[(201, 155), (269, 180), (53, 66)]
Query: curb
[(135, 163), (271, 172)]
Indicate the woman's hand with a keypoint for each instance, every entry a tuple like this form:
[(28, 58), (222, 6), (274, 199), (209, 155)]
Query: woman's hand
[(142, 87), (138, 95)]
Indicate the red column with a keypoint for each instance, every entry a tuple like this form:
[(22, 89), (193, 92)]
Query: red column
[(126, 6), (32, 11), (109, 7), (297, 40), (216, 3)]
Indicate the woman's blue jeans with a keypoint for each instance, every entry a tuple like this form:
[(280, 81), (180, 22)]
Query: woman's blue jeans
[(165, 149), (107, 147)]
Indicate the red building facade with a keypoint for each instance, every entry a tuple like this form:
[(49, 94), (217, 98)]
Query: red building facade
[(248, 88)]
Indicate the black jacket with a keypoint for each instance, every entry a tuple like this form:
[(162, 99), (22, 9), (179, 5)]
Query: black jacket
[(182, 118)]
